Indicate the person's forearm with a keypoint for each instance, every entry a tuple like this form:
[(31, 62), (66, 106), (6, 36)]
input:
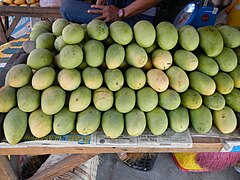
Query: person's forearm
[(139, 6)]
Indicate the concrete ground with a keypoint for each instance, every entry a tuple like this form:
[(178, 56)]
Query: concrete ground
[(111, 168)]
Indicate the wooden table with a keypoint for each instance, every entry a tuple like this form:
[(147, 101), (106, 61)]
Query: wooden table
[(18, 12)]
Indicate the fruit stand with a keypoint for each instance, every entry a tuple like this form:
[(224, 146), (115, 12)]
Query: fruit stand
[(188, 102)]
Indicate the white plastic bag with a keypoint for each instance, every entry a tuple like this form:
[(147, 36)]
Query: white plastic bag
[(50, 3)]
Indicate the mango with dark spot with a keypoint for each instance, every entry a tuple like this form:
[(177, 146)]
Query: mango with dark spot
[(64, 121), (135, 122), (157, 121), (40, 124), (179, 119), (225, 120), (201, 119), (15, 125), (88, 121), (112, 123), (7, 98)]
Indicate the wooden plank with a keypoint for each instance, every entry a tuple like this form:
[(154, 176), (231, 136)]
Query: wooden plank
[(12, 26), (3, 37), (6, 22), (6, 170), (197, 147), (53, 12), (62, 167)]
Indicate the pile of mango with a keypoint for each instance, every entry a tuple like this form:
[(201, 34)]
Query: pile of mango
[(117, 77), (20, 2)]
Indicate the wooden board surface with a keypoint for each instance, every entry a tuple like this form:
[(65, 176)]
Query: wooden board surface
[(53, 12), (62, 167), (199, 145), (6, 171)]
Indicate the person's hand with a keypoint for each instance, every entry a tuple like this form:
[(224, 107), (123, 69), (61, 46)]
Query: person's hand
[(107, 13), (100, 2)]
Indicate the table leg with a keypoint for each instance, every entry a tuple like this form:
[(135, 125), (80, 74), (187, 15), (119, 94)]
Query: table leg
[(6, 169)]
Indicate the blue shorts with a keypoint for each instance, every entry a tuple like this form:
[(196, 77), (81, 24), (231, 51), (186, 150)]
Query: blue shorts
[(76, 11)]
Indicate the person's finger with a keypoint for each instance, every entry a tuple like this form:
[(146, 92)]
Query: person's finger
[(97, 6), (95, 11), (100, 2), (100, 17)]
